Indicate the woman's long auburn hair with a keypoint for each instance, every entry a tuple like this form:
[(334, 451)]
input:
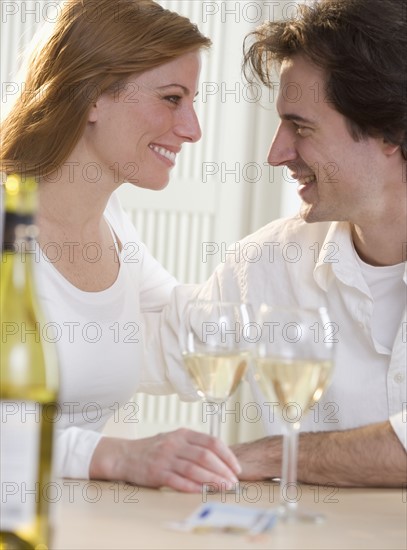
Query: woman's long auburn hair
[(94, 47)]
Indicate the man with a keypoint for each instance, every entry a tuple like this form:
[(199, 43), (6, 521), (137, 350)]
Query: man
[(344, 138)]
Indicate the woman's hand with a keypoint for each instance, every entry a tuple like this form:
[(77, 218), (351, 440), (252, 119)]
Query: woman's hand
[(182, 460)]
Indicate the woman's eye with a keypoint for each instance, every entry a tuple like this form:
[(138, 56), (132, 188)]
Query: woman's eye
[(173, 99)]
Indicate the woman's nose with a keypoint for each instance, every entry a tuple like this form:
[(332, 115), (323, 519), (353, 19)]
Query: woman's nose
[(188, 126)]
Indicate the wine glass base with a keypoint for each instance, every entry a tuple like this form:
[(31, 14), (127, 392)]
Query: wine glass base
[(298, 516)]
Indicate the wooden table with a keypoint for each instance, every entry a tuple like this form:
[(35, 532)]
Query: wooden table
[(111, 515)]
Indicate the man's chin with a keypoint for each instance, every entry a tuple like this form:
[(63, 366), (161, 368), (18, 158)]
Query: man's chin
[(307, 213)]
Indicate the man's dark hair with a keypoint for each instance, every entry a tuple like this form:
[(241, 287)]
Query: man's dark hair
[(361, 45)]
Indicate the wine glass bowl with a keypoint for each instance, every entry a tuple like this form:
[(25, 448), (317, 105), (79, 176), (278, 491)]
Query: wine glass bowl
[(293, 366), (215, 382), (215, 351)]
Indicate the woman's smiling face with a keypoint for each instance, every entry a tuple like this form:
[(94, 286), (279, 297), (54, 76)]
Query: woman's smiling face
[(136, 134)]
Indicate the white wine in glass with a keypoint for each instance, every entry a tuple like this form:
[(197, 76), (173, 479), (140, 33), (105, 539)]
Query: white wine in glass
[(293, 366), (215, 350)]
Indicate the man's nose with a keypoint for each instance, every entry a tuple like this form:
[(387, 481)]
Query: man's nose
[(282, 149)]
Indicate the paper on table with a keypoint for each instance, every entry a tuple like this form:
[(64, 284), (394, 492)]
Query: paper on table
[(227, 518)]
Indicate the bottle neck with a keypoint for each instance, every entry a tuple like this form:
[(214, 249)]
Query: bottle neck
[(19, 203), (19, 232), (18, 247)]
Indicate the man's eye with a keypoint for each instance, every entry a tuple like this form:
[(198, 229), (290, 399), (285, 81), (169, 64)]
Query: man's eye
[(173, 99), (301, 131)]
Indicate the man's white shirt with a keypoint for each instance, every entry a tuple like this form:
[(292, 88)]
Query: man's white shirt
[(292, 263)]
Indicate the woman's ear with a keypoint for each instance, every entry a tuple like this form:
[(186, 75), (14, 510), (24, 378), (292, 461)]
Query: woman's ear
[(93, 112)]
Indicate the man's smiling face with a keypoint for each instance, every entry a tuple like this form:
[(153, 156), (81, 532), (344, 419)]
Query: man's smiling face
[(339, 178)]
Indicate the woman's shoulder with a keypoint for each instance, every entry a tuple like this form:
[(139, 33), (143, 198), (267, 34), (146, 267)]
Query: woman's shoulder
[(120, 220)]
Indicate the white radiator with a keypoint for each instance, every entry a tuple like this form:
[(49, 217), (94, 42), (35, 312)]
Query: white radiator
[(175, 239)]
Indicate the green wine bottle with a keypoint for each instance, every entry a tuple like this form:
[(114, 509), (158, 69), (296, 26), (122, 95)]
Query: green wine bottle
[(28, 380)]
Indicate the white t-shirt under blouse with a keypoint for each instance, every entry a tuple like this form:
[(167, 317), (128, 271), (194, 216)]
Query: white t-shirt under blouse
[(387, 288), (101, 342)]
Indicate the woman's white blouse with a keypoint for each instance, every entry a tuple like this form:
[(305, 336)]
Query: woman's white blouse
[(101, 342)]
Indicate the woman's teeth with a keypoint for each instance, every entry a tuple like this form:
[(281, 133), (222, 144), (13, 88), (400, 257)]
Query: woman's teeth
[(164, 152)]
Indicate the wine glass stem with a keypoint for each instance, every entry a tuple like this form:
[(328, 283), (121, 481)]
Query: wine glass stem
[(289, 494), (215, 420)]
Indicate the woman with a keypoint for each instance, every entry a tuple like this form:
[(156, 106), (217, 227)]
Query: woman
[(109, 98)]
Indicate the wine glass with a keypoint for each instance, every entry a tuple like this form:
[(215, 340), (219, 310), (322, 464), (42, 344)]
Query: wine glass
[(293, 365), (215, 344)]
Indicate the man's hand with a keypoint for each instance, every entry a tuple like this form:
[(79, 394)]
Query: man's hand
[(260, 459), (371, 456), (182, 460)]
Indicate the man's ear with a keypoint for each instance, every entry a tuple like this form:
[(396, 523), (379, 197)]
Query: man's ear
[(389, 148)]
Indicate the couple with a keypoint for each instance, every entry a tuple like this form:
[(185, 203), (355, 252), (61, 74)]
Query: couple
[(59, 128)]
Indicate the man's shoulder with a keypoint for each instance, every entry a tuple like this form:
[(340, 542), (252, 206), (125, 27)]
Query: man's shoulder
[(286, 230)]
